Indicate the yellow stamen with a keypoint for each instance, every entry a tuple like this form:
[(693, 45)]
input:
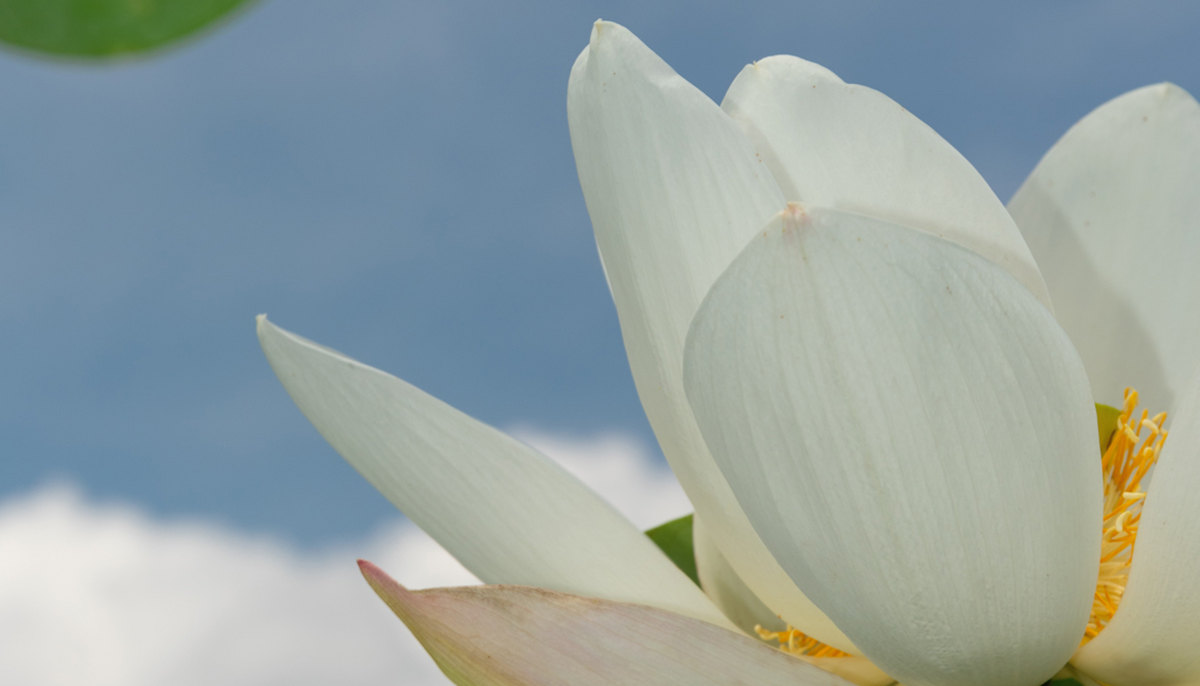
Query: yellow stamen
[(1125, 464), (795, 642)]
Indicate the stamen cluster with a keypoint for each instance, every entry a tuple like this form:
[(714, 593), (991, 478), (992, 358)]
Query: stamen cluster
[(795, 642), (1127, 460)]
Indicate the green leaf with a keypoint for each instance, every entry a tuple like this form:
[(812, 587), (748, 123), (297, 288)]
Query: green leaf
[(106, 28), (1106, 424), (1067, 682), (675, 539)]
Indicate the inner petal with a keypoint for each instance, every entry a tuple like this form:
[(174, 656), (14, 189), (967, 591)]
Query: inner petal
[(1131, 453)]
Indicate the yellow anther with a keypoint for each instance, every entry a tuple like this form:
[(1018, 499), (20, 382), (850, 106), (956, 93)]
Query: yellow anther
[(795, 642), (1120, 527), (1125, 464)]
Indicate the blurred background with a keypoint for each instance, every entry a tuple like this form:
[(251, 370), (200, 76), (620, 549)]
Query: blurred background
[(393, 180)]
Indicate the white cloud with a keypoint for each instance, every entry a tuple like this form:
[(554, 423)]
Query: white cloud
[(105, 594)]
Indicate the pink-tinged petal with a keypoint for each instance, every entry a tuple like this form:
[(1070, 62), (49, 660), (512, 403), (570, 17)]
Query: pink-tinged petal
[(857, 670), (523, 636)]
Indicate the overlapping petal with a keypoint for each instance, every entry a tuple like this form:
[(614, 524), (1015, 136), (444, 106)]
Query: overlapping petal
[(1112, 214), (506, 512), (518, 636), (833, 144), (1153, 639), (674, 190), (912, 434), (726, 589)]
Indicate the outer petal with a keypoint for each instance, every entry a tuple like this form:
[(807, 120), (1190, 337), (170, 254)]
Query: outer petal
[(833, 144), (518, 636), (1112, 214), (506, 512), (674, 191), (912, 435), (1153, 639)]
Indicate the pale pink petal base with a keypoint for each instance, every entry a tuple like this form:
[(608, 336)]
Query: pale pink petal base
[(510, 635), (857, 670)]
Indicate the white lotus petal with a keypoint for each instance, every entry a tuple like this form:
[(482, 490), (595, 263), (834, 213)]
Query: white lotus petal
[(506, 512), (513, 635), (1112, 214), (728, 592), (911, 434), (833, 144), (726, 589), (674, 191), (1153, 638)]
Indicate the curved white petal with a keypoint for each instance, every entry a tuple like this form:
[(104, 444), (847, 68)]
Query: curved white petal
[(1154, 639), (674, 191), (911, 433), (845, 146), (1112, 214), (513, 635), (506, 512), (726, 589), (728, 592)]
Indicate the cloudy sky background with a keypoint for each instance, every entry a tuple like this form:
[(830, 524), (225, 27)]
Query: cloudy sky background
[(394, 180)]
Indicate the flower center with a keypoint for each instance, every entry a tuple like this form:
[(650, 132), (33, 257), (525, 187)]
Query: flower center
[(1126, 461), (795, 642)]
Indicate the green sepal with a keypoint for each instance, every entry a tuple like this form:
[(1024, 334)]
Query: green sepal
[(1106, 424), (675, 539), (1063, 682), (106, 28)]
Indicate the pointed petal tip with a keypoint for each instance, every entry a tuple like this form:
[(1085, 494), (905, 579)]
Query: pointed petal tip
[(795, 216), (1155, 94), (764, 67), (604, 28), (377, 577), (1168, 88), (390, 591), (268, 332), (371, 572)]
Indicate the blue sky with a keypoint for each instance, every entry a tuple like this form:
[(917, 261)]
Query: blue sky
[(395, 180)]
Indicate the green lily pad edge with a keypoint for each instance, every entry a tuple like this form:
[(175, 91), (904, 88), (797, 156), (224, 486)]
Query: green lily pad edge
[(94, 30), (674, 538)]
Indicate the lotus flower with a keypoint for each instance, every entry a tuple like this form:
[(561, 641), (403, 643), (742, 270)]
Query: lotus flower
[(850, 358)]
